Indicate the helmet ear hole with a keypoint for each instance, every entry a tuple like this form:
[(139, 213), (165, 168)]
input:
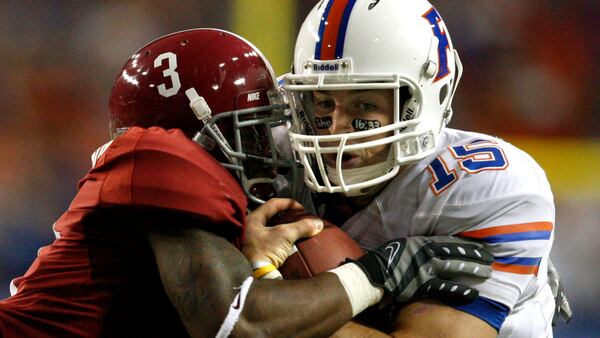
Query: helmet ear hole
[(443, 94)]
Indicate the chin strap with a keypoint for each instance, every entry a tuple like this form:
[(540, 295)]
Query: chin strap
[(359, 175)]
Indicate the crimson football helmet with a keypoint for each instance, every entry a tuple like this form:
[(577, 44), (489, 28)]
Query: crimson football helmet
[(219, 90), (400, 46)]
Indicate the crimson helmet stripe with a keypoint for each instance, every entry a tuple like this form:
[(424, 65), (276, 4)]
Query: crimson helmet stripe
[(332, 29)]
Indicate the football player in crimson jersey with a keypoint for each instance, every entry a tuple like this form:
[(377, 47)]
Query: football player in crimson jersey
[(371, 92), (150, 245)]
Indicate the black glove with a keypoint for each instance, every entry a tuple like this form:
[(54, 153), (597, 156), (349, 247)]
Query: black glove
[(418, 267), (562, 309)]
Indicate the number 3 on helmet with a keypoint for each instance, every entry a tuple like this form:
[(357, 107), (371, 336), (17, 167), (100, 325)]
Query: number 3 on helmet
[(214, 86)]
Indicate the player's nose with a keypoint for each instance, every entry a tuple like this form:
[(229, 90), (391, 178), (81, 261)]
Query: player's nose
[(341, 121)]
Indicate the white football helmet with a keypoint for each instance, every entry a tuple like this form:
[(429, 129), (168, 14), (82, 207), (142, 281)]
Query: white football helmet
[(402, 46)]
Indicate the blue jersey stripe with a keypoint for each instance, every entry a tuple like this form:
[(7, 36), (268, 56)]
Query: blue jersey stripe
[(533, 261), (517, 236)]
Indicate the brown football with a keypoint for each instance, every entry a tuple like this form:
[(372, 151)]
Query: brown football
[(325, 251)]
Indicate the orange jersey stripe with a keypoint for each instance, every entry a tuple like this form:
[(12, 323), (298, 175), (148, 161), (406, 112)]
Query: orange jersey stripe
[(508, 229), (518, 269)]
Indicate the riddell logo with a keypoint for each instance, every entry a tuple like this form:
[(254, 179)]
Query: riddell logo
[(326, 67)]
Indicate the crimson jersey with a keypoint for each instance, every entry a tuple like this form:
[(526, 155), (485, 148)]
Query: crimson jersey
[(99, 277)]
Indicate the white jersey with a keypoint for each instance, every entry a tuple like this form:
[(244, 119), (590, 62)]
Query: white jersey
[(477, 186)]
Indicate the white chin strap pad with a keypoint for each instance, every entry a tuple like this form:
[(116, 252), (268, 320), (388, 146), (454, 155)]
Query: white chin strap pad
[(358, 175)]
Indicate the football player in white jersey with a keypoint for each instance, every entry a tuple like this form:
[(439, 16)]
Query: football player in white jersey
[(371, 92)]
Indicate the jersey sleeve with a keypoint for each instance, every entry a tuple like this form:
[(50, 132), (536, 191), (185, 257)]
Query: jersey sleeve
[(155, 168), (498, 195)]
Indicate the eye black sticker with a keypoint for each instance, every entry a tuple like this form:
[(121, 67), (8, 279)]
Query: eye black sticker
[(360, 124), (323, 122)]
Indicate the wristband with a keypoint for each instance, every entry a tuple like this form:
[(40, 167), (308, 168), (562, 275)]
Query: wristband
[(265, 270), (361, 293), (260, 272), (259, 264)]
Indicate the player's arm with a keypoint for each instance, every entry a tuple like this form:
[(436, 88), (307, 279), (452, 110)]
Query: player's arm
[(431, 318), (208, 280), (429, 264), (202, 273), (415, 320), (425, 318), (357, 330)]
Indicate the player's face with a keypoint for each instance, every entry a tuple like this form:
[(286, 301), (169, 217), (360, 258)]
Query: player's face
[(347, 111)]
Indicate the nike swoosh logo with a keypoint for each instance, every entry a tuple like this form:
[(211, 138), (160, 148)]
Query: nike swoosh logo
[(373, 4), (393, 249), (236, 306)]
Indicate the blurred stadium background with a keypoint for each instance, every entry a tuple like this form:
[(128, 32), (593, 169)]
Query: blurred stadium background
[(530, 77)]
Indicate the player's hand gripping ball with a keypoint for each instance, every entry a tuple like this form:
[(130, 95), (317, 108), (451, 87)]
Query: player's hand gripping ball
[(325, 251)]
